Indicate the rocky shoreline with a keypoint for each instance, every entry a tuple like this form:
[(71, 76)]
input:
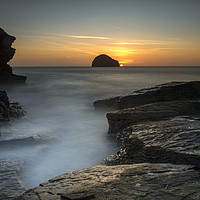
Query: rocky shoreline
[(10, 185), (158, 130)]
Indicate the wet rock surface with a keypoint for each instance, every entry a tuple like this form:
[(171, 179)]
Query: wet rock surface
[(104, 61), (161, 132), (6, 54), (26, 140), (175, 140), (10, 185), (137, 181), (120, 119), (165, 92), (154, 127)]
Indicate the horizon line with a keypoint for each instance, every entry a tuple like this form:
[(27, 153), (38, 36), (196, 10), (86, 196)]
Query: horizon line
[(106, 67)]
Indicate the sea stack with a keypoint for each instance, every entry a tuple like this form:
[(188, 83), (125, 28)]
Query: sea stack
[(104, 61), (6, 54)]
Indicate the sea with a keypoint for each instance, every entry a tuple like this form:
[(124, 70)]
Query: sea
[(59, 104)]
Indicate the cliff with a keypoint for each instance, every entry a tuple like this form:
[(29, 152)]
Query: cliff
[(104, 61), (6, 54)]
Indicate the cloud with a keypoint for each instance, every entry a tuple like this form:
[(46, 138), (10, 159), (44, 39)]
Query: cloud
[(88, 37), (127, 43), (44, 35)]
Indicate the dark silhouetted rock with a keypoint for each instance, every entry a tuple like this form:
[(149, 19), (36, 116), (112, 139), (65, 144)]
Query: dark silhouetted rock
[(104, 61), (6, 54), (165, 92), (121, 182), (9, 110)]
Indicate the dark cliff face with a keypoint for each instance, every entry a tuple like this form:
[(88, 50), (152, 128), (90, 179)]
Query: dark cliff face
[(6, 51), (9, 110), (6, 54), (104, 61)]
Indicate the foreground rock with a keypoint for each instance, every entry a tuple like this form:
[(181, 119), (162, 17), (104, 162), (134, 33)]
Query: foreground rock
[(121, 119), (6, 54), (26, 141), (122, 182), (104, 61), (165, 92), (9, 110), (10, 186), (156, 125), (176, 140)]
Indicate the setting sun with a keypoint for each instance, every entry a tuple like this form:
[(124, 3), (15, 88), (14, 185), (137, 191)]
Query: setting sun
[(121, 65)]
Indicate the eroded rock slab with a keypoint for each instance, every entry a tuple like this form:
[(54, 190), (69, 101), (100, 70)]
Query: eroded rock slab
[(139, 181), (10, 186), (120, 119), (165, 92), (176, 140), (27, 140)]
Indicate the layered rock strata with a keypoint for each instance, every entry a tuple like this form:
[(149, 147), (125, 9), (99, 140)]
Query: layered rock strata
[(121, 182), (6, 54), (10, 173), (156, 125), (165, 92), (161, 132)]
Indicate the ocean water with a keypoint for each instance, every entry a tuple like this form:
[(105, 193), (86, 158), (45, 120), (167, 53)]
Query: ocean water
[(59, 104)]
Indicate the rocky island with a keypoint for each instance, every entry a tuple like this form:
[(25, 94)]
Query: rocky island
[(6, 54), (158, 131), (104, 61)]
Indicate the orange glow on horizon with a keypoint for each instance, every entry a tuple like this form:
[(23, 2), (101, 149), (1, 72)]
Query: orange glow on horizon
[(45, 51)]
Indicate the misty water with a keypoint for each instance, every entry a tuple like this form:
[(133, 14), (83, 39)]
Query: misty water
[(59, 104)]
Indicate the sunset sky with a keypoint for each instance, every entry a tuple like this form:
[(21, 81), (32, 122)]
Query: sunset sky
[(73, 32)]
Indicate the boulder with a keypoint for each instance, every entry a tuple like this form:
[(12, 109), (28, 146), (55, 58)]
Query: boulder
[(6, 54), (121, 182), (104, 61), (165, 92), (9, 110)]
